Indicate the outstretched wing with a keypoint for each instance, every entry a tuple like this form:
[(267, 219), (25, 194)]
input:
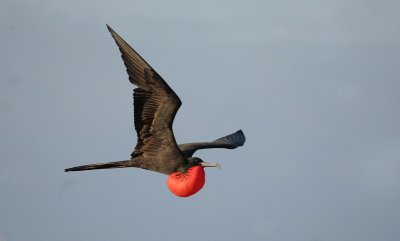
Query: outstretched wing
[(155, 106), (231, 141)]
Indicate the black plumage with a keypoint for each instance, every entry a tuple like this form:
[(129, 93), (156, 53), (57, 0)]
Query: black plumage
[(155, 107)]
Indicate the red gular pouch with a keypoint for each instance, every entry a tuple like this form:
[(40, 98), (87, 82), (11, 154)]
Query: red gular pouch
[(185, 184)]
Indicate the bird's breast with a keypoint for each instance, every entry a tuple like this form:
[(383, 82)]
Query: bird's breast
[(185, 184)]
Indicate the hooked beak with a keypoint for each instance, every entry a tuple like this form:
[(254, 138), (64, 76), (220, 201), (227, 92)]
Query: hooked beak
[(206, 164)]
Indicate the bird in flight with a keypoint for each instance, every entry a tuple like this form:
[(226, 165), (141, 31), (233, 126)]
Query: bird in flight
[(155, 107)]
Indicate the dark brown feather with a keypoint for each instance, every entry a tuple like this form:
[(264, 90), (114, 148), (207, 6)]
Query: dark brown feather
[(231, 141), (155, 107)]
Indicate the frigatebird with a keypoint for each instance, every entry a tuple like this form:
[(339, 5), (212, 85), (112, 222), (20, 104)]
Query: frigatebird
[(155, 107)]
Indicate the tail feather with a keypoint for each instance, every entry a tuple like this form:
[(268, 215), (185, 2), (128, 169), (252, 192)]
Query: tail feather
[(117, 164)]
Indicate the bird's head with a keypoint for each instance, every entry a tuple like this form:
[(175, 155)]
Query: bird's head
[(191, 179), (195, 161)]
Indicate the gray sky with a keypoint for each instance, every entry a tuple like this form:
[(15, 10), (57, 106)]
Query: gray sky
[(313, 84)]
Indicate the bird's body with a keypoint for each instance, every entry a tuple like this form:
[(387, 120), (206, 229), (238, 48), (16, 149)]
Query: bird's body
[(155, 107)]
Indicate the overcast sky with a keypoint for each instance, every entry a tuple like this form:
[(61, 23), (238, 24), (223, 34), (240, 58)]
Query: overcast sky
[(314, 85)]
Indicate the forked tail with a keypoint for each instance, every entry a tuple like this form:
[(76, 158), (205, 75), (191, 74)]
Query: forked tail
[(118, 164)]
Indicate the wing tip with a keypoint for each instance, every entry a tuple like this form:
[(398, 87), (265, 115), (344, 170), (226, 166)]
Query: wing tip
[(110, 29), (113, 33), (237, 139), (241, 134)]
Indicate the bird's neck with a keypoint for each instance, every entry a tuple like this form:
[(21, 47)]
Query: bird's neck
[(185, 184)]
